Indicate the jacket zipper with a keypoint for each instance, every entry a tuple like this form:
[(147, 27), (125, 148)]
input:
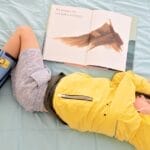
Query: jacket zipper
[(76, 97)]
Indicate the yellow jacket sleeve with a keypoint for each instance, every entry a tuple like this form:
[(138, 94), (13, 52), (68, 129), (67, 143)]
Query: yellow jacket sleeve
[(142, 85)]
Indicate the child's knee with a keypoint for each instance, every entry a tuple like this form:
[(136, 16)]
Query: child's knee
[(24, 28), (27, 37)]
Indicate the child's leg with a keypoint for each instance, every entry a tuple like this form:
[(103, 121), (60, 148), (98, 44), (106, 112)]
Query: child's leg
[(29, 77), (21, 39), (8, 56)]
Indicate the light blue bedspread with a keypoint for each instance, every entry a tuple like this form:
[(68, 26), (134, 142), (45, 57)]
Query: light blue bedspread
[(20, 130)]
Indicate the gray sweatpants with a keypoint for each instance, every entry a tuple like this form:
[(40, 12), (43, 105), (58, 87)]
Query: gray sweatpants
[(29, 80)]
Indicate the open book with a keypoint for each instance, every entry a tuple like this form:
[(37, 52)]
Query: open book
[(87, 37)]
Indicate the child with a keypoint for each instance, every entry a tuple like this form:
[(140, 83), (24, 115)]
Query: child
[(83, 102)]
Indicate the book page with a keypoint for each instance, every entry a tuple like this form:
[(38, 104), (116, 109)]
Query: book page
[(109, 40), (67, 34)]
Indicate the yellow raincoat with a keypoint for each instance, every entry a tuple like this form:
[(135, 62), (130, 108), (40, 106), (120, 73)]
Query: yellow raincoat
[(104, 106)]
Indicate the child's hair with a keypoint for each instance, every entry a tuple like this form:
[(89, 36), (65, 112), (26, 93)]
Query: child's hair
[(145, 95)]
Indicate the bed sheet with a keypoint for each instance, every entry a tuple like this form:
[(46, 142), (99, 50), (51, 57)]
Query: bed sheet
[(20, 130)]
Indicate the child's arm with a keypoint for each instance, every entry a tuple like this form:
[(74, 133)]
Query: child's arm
[(142, 85)]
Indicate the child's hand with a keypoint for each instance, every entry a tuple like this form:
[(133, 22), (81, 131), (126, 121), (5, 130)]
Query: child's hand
[(142, 105)]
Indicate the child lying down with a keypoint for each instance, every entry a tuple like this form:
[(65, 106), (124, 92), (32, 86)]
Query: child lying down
[(83, 102)]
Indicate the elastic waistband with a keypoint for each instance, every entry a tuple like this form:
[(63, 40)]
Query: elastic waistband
[(48, 99)]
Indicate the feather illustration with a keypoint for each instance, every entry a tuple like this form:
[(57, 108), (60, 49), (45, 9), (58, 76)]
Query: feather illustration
[(104, 35)]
